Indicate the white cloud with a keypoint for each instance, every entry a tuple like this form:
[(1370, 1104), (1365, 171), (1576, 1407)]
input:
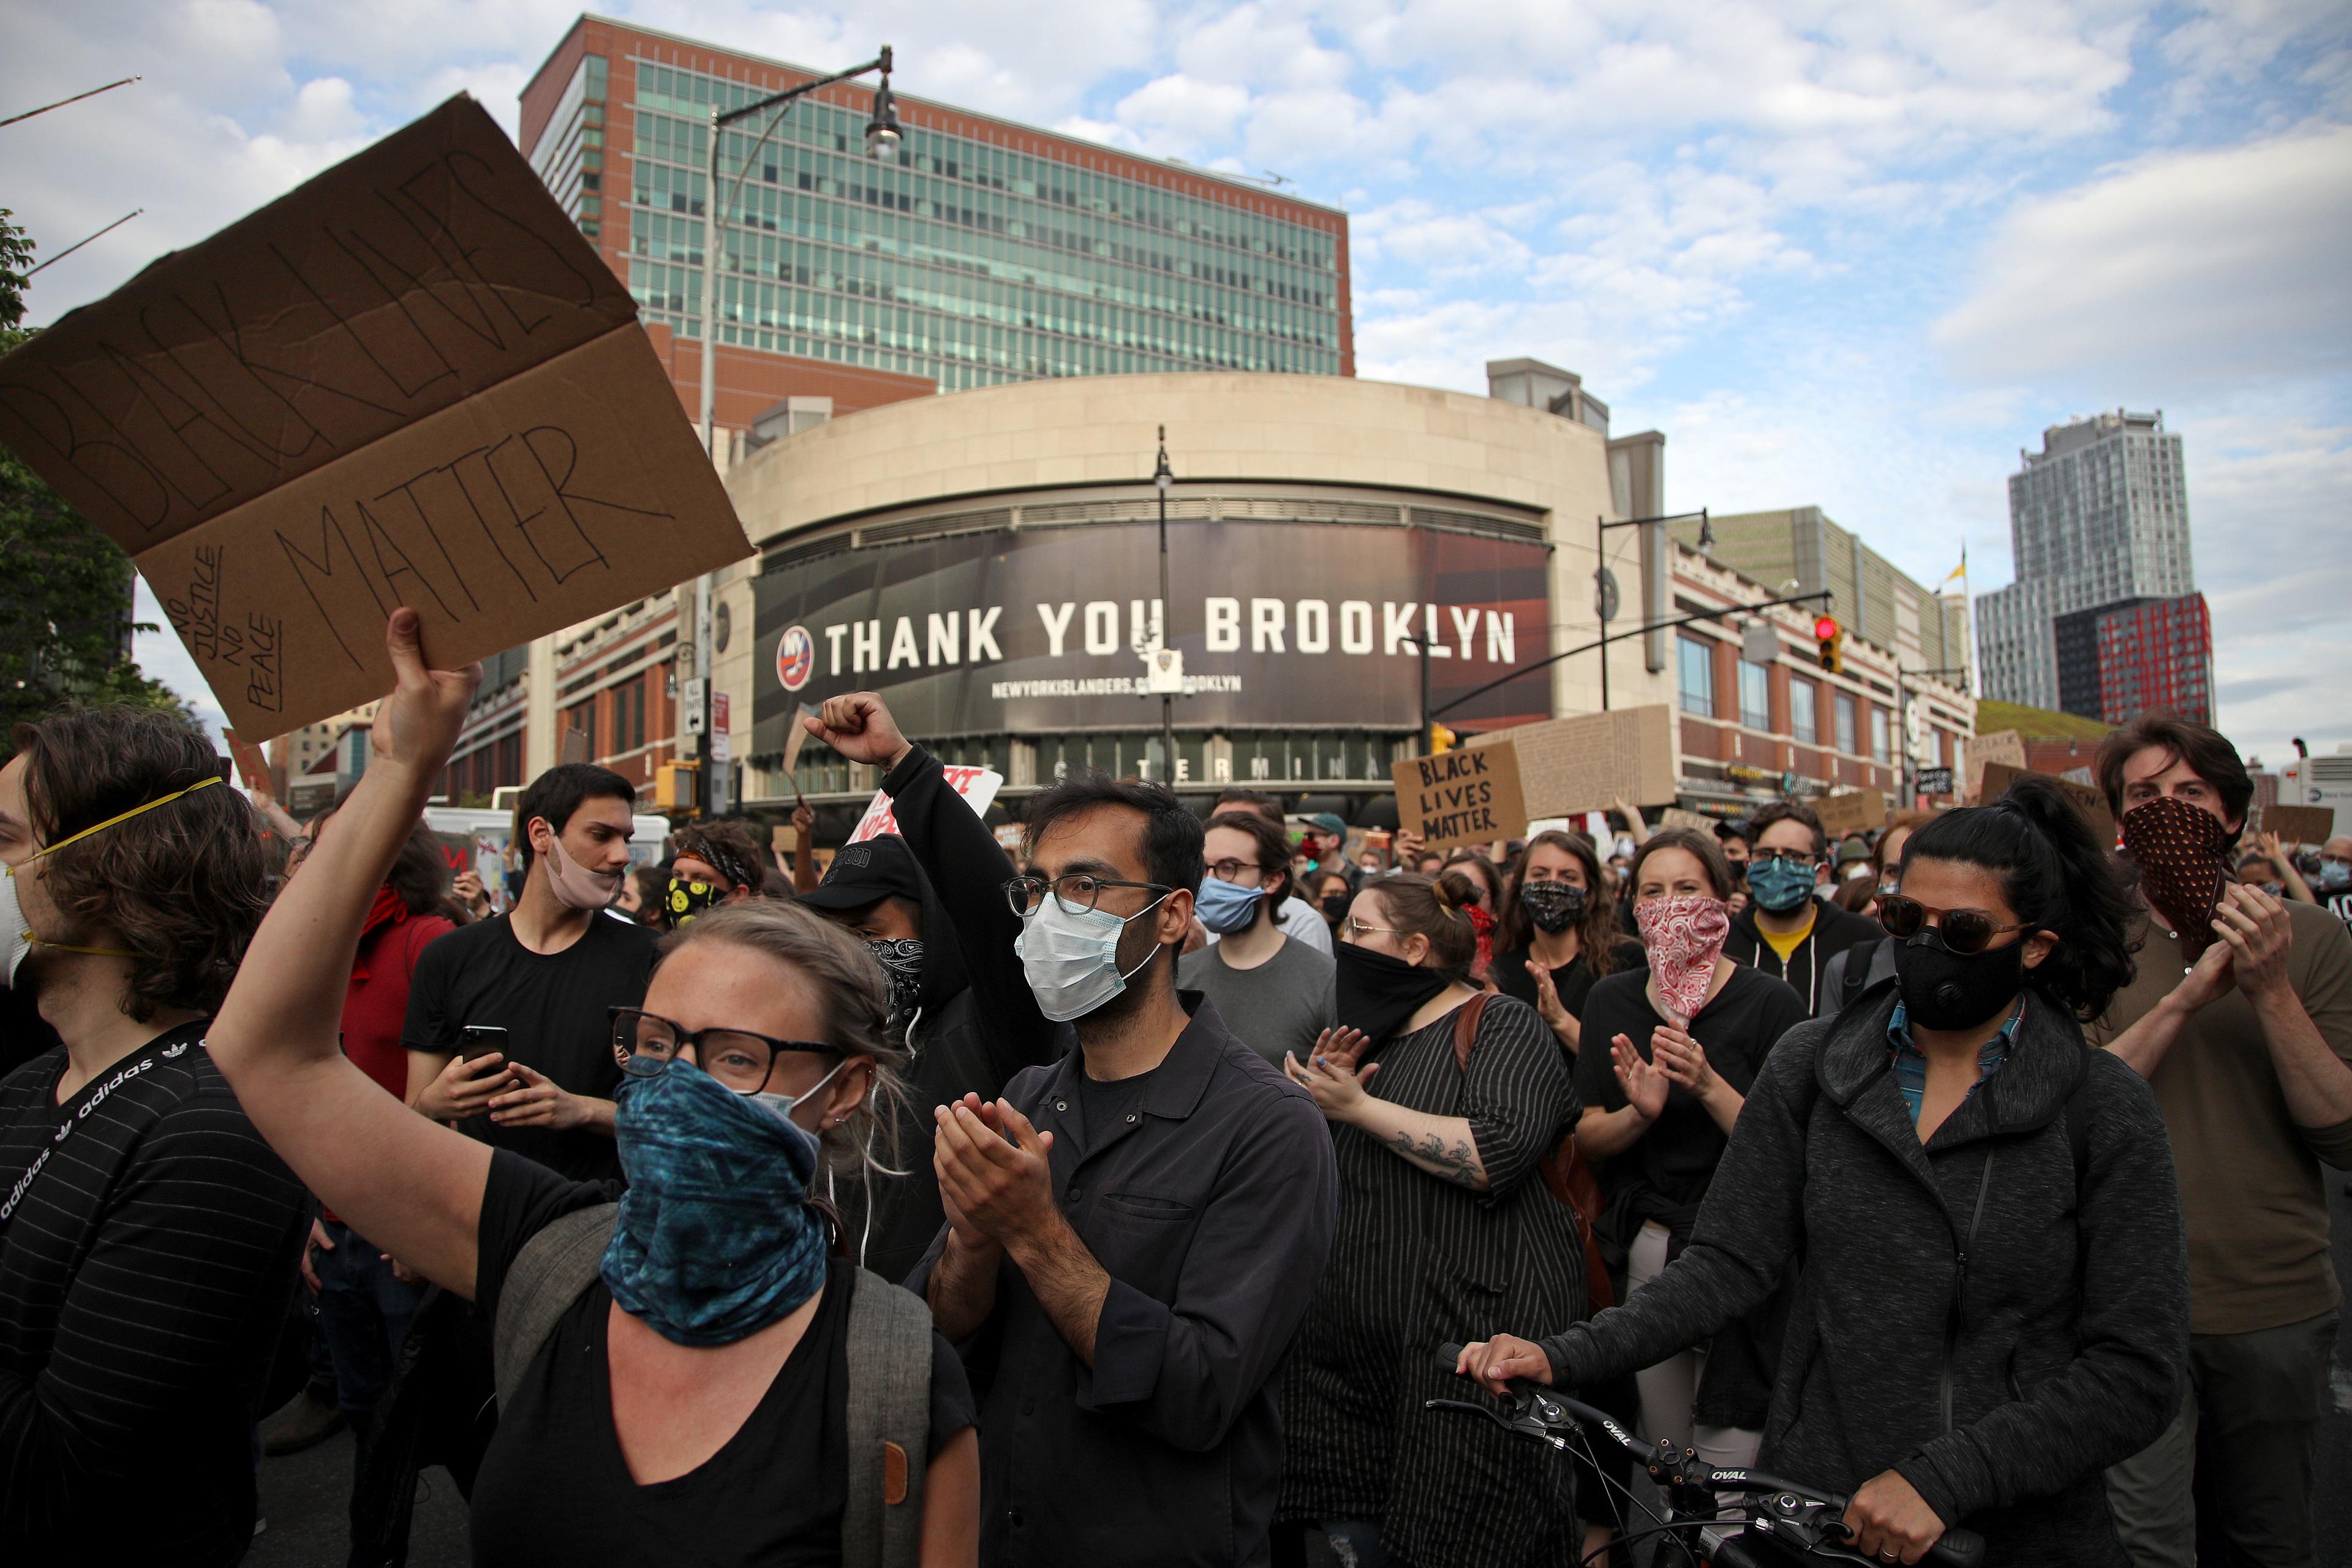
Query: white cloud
[(2192, 270)]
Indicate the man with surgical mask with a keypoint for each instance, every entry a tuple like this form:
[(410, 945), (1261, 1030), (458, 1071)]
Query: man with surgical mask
[(1134, 1232), (1278, 995), (536, 982)]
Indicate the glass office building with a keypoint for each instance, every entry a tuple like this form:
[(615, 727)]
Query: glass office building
[(986, 252)]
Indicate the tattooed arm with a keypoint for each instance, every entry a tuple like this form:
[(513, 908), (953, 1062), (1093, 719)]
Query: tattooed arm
[(1442, 1145)]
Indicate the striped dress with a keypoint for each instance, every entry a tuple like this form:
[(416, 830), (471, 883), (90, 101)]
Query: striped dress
[(1420, 1262)]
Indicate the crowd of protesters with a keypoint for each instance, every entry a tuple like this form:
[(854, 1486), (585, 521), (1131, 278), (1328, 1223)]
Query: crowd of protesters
[(1105, 1202)]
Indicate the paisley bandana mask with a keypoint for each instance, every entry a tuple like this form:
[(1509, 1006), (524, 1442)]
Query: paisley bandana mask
[(901, 959), (2183, 852), (1684, 934)]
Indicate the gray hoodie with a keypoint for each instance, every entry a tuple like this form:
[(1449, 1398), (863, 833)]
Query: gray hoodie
[(2066, 1350)]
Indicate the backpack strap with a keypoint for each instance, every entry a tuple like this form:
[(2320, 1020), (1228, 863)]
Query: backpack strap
[(889, 1425), (1857, 969), (1466, 1030), (552, 1270)]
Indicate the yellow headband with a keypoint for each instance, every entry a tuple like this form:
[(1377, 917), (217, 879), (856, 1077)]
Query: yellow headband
[(124, 817)]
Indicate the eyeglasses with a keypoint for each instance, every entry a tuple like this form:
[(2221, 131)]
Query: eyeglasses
[(646, 1043), (1231, 870), (1963, 930), (1075, 893), (1798, 857), (1355, 929)]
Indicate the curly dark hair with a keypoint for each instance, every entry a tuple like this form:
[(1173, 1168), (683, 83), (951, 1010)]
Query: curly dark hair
[(1596, 929), (182, 887), (2057, 875)]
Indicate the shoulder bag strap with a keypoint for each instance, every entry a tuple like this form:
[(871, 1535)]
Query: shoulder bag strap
[(546, 1276), (889, 1425), (1466, 1030)]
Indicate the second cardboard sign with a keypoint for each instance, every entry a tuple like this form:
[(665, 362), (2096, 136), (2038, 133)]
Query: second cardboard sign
[(1491, 788)]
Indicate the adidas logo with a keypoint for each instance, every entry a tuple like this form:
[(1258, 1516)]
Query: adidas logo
[(171, 1051), (63, 1129)]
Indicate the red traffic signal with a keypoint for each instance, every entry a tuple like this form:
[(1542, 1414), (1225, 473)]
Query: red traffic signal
[(1832, 638), (1825, 627)]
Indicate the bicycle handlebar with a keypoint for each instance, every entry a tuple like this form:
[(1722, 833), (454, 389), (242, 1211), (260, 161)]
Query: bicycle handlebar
[(1543, 1409)]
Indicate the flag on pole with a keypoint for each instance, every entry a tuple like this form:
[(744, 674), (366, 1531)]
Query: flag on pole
[(1960, 572)]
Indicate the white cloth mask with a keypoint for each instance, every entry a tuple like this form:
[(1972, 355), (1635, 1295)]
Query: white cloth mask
[(1071, 960)]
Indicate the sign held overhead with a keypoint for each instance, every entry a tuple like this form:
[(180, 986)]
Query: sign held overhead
[(408, 381), (1557, 768)]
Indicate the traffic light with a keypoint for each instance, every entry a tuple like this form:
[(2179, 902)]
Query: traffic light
[(673, 787), (1440, 738), (1832, 638)]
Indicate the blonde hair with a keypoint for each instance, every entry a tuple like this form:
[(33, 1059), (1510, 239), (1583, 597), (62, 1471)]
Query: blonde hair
[(856, 1014)]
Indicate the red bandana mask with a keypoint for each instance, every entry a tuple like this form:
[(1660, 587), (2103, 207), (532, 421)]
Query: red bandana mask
[(1684, 934), (2182, 852)]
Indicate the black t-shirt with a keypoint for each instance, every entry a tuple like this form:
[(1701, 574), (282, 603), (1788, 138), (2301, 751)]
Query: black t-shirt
[(1105, 1103), (554, 1487), (552, 1006), (1665, 1173), (1573, 981)]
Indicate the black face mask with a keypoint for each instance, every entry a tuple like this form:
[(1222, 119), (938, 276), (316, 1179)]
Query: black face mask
[(1552, 906), (1378, 992), (1947, 990), (901, 959), (1335, 907)]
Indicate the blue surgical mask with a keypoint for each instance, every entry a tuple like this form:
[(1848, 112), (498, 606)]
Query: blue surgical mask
[(715, 1239), (1226, 907), (1779, 886), (2335, 876), (1071, 960)]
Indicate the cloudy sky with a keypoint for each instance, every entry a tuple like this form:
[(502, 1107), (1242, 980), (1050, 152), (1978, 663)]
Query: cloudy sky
[(1847, 253)]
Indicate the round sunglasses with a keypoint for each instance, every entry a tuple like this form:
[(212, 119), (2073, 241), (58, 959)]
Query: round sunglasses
[(1963, 930)]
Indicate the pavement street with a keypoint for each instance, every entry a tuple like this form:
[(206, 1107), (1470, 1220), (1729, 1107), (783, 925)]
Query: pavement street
[(305, 1496)]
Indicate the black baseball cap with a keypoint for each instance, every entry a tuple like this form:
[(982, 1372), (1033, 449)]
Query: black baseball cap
[(865, 873)]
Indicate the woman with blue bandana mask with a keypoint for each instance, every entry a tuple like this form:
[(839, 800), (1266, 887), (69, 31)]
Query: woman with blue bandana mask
[(679, 1373)]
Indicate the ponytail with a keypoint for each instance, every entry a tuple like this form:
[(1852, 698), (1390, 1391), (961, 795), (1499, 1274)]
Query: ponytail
[(2057, 875), (1436, 907)]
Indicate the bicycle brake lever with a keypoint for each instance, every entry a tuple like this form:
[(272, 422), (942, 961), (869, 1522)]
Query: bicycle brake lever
[(1520, 1424), (1463, 1405)]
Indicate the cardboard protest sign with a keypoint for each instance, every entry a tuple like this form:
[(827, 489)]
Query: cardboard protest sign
[(1850, 811), (2087, 799), (2297, 824), (1585, 764), (1466, 797), (1676, 817), (977, 786), (2003, 746), (408, 381)]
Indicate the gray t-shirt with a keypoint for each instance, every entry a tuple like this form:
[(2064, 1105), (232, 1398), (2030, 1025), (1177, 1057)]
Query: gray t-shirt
[(1281, 1006)]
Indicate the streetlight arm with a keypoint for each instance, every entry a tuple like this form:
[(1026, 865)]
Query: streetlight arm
[(781, 100), (1618, 637)]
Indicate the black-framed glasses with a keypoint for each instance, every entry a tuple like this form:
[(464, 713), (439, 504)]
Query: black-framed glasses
[(1076, 892), (1963, 930), (1231, 870), (646, 1043), (1803, 858)]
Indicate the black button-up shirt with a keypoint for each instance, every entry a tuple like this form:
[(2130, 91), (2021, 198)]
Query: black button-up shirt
[(1212, 1211), (1210, 1202)]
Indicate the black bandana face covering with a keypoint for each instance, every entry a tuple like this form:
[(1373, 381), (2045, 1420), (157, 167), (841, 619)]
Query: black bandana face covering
[(1378, 992), (901, 959), (1552, 906)]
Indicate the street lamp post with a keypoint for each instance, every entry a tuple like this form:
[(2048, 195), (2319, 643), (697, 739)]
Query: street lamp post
[(1604, 582), (882, 140), (1903, 721), (1163, 480)]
